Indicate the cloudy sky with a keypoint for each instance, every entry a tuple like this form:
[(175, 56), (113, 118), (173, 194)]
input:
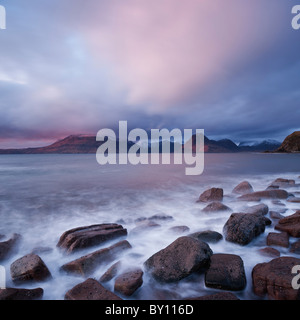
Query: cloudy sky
[(229, 67)]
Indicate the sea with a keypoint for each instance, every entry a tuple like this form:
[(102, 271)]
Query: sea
[(42, 196)]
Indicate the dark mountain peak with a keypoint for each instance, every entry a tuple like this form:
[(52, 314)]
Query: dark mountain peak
[(291, 143)]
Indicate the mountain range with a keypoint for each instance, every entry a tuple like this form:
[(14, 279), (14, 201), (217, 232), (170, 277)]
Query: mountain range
[(75, 144)]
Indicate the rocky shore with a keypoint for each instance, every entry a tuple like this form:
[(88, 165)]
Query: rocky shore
[(189, 255)]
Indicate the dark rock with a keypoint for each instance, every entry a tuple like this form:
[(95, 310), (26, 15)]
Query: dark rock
[(226, 272), (29, 268), (144, 226), (294, 200), (90, 289), (178, 260), (295, 247), (111, 272), (215, 207), (216, 296), (266, 194), (213, 194), (127, 283), (269, 252), (283, 183), (276, 215), (163, 217), (7, 247), (207, 236), (275, 279), (242, 188), (40, 250), (290, 224), (179, 229), (21, 294), (262, 209), (84, 237), (242, 228), (278, 239), (291, 143), (87, 264)]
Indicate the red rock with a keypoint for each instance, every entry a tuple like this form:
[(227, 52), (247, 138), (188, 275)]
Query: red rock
[(274, 279), (90, 289), (111, 272), (29, 268), (127, 283), (215, 207), (269, 252), (278, 239), (216, 296), (242, 188), (89, 236), (265, 194), (7, 247), (213, 194), (290, 224), (87, 264), (21, 294)]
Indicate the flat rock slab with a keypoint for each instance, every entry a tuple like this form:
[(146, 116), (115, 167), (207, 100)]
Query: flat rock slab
[(83, 237), (275, 279), (21, 294), (242, 228), (87, 264), (29, 268), (128, 282), (178, 260), (278, 239), (216, 296), (258, 209), (90, 289), (265, 194), (226, 272), (290, 224), (242, 188)]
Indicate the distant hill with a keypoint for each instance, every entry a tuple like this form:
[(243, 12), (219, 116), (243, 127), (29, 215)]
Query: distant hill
[(291, 143), (74, 144)]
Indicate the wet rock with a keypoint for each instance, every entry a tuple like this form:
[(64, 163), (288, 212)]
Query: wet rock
[(179, 229), (283, 183), (29, 268), (262, 209), (269, 252), (295, 247), (294, 200), (207, 236), (127, 283), (276, 215), (275, 279), (278, 239), (111, 272), (144, 226), (87, 264), (41, 250), (290, 224), (8, 247), (226, 272), (213, 194), (162, 217), (90, 289), (215, 207), (216, 296), (89, 236), (242, 228), (266, 194), (243, 188), (21, 294), (178, 260)]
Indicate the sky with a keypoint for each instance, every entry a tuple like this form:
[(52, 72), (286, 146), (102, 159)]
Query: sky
[(229, 67)]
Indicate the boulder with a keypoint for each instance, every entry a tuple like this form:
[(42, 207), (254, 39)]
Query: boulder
[(7, 247), (207, 236), (226, 272), (262, 209), (274, 279), (178, 260), (242, 228), (242, 188), (269, 252), (90, 289), (179, 229), (29, 268), (216, 296), (276, 215), (283, 183), (295, 247), (89, 236), (265, 194), (290, 224), (87, 264), (213, 194), (215, 207), (21, 294), (278, 239), (128, 282), (111, 272)]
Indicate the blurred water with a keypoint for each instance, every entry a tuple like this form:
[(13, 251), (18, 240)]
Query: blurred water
[(41, 196)]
